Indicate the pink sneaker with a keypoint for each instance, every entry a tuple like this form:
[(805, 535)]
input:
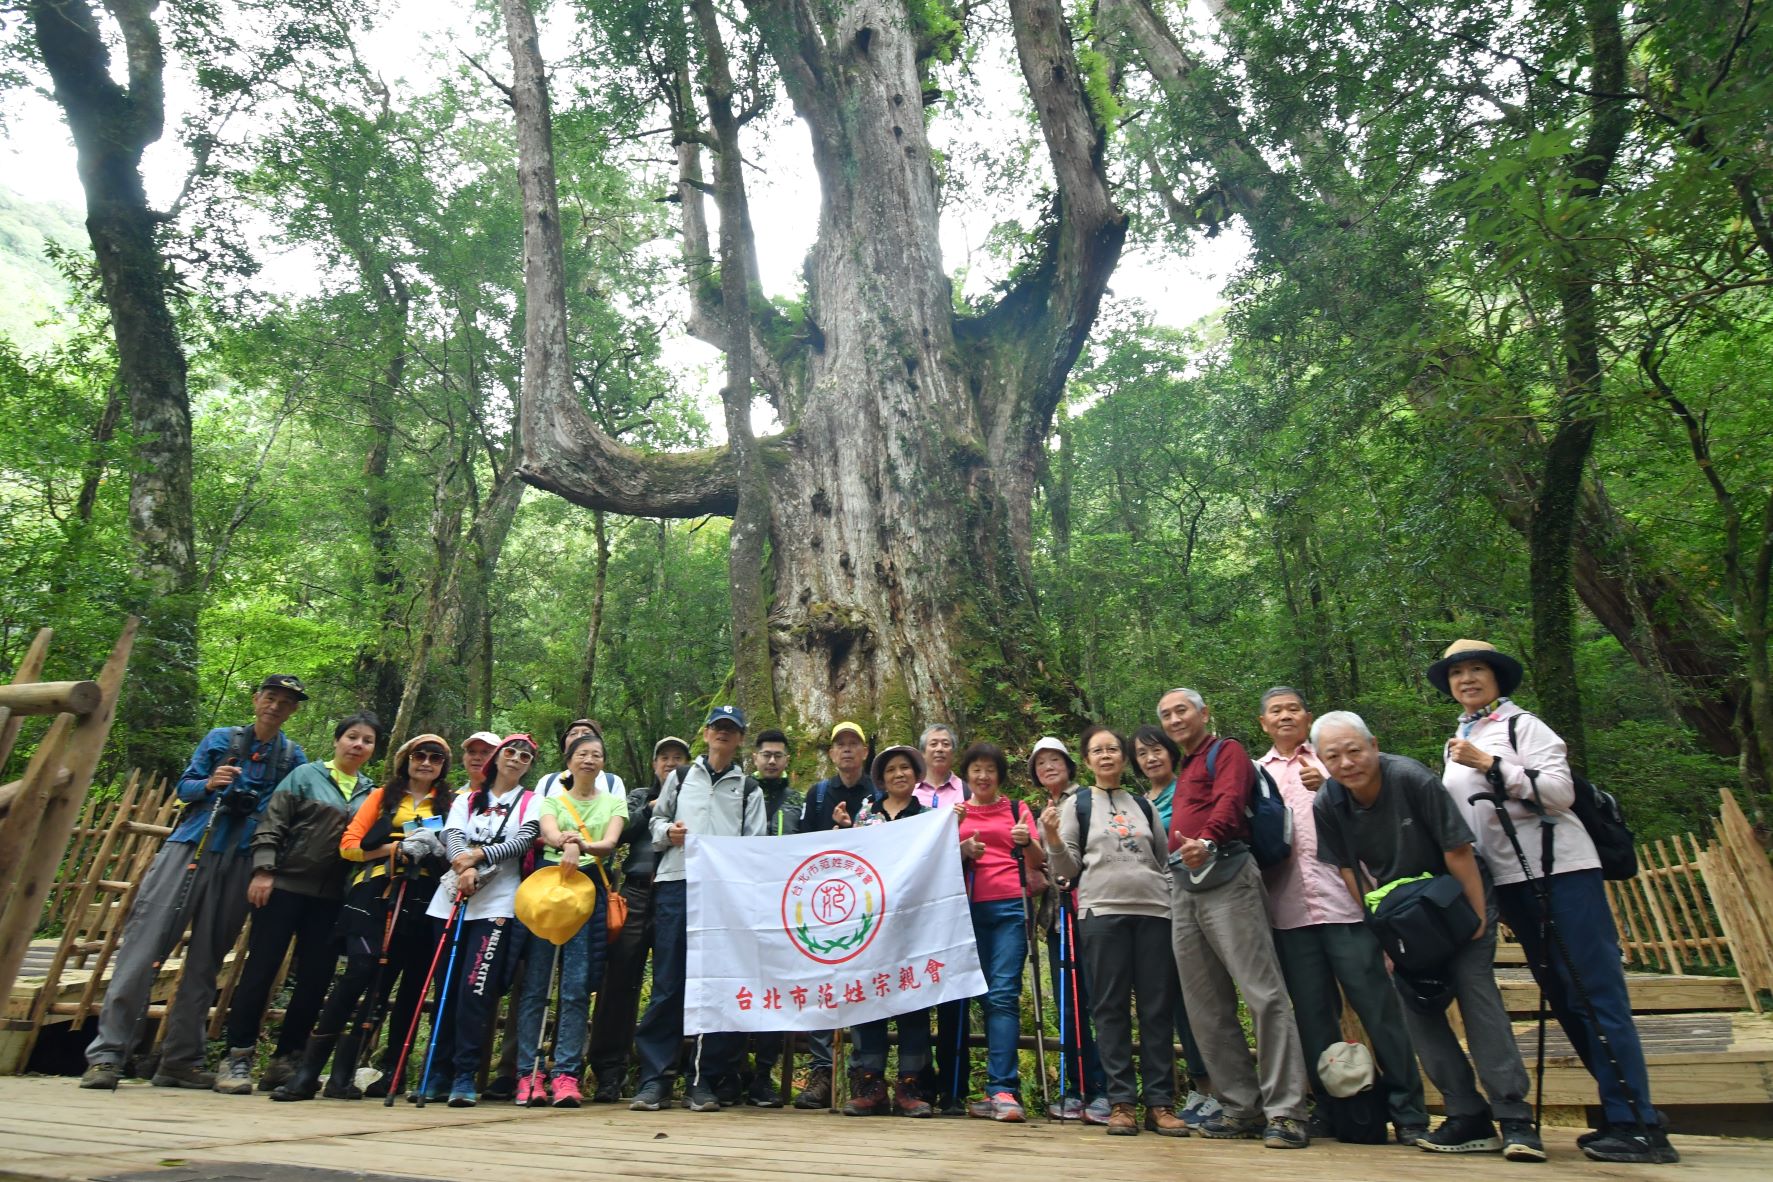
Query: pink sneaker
[(1005, 1107), (566, 1092), (532, 1090)]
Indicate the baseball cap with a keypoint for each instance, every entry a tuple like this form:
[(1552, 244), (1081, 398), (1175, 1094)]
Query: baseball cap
[(1346, 1069), (487, 737), (853, 728), (670, 741), (730, 714), (288, 682)]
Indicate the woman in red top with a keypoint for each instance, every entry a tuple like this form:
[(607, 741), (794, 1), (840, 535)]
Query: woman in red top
[(999, 857)]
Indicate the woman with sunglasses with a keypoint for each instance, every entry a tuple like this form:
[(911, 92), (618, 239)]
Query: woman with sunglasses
[(384, 905), (488, 832)]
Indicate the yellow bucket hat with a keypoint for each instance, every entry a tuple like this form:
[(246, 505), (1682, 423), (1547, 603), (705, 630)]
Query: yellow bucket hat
[(555, 902)]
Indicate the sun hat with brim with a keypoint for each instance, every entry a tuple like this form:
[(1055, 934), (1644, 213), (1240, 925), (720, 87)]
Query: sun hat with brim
[(1508, 670), (880, 762), (414, 743), (1346, 1069), (1048, 743), (670, 741), (555, 902)]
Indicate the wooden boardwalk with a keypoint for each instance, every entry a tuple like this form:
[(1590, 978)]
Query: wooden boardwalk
[(50, 1128)]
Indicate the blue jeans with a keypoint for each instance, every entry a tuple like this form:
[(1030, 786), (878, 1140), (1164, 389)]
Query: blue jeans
[(659, 1036), (914, 1043), (1003, 945), (1579, 904), (581, 974)]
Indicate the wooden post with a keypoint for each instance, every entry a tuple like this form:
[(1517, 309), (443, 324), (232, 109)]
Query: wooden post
[(28, 671), (51, 697)]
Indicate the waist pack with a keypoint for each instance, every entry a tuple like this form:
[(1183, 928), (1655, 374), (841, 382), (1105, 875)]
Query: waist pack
[(1421, 922)]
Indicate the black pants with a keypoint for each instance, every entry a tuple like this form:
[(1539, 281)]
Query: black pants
[(1123, 960), (310, 923), (484, 963), (618, 1002), (409, 956)]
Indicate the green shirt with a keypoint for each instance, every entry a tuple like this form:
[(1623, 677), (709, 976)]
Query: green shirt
[(594, 813)]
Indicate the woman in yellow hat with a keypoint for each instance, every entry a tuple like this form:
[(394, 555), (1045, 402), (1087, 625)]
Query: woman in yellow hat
[(582, 822)]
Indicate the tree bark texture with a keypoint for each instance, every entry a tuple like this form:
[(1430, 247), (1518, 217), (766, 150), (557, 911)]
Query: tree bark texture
[(900, 494), (112, 124)]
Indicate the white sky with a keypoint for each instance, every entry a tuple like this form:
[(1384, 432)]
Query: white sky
[(37, 161)]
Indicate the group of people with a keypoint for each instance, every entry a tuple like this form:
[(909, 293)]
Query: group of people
[(1139, 869)]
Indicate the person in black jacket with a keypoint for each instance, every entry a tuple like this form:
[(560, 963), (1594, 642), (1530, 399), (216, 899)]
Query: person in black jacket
[(782, 807), (618, 1002)]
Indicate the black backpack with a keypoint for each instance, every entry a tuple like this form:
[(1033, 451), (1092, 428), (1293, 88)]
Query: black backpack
[(1601, 817), (1271, 820), (1359, 1119)]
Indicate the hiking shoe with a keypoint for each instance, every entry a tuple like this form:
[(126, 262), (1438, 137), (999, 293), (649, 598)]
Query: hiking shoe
[(186, 1075), (1319, 1125), (1123, 1121), (1285, 1132), (951, 1106), (532, 1091), (1462, 1134), (1162, 1120), (1520, 1141), (608, 1092), (1198, 1108), (463, 1096), (234, 1078), (1070, 1108), (908, 1098), (103, 1076), (1097, 1111), (278, 1072), (1584, 1140), (566, 1091), (650, 1098), (727, 1089), (868, 1095), (1410, 1134), (762, 1092), (817, 1093), (1223, 1126), (1628, 1145), (502, 1088), (1006, 1108), (699, 1097)]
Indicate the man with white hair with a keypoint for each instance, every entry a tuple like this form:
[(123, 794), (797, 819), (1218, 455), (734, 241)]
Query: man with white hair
[(1383, 818)]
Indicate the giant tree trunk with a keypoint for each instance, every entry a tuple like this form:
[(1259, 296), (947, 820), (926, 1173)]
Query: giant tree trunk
[(112, 125), (900, 497)]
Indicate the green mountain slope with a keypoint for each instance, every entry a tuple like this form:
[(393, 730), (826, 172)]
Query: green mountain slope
[(34, 290)]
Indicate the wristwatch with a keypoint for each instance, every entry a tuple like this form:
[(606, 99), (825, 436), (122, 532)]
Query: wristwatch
[(1212, 848)]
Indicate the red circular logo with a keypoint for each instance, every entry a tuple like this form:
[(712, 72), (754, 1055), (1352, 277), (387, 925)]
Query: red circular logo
[(833, 905)]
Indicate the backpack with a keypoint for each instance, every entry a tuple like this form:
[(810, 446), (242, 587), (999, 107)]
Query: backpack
[(1601, 818), (1086, 806), (1421, 922), (1359, 1119), (1271, 821), (282, 755)]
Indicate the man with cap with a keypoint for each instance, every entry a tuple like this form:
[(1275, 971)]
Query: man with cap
[(225, 789), (618, 1002), (834, 803), (713, 797), (1326, 950), (1382, 818)]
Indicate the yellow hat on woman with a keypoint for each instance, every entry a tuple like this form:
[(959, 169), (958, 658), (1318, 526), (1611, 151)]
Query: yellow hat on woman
[(555, 902)]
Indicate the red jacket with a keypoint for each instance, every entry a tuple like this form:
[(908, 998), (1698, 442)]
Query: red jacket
[(1213, 809)]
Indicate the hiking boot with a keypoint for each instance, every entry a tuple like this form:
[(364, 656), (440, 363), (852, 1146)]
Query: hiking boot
[(1410, 1134), (342, 1083), (1199, 1108), (908, 1098), (565, 1092), (1123, 1121), (234, 1076), (1285, 1132), (279, 1071), (1462, 1134), (1618, 1144), (1520, 1141), (817, 1093), (502, 1088), (762, 1092), (304, 1082), (1070, 1108), (1223, 1126), (102, 1076), (1097, 1111), (608, 1092), (868, 1095), (650, 1098), (1584, 1140), (1163, 1121), (701, 1098), (727, 1089)]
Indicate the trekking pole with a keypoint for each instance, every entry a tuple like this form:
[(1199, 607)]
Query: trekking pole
[(369, 1003), (437, 1018), (1077, 1026), (1548, 924), (180, 913), (1040, 1013), (413, 1030)]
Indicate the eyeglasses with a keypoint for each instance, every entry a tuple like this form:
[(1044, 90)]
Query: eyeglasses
[(520, 754), (429, 757)]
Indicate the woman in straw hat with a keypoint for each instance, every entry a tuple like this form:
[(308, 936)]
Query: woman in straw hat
[(581, 822)]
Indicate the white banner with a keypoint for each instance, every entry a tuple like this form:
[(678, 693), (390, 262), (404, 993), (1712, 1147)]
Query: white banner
[(822, 930)]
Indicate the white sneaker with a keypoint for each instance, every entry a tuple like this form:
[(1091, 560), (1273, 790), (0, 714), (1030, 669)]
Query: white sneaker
[(1199, 1108)]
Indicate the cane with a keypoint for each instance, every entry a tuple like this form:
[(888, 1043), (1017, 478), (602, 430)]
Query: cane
[(1548, 924), (413, 1030), (1040, 1010)]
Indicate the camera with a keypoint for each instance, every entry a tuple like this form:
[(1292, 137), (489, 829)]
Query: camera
[(238, 802)]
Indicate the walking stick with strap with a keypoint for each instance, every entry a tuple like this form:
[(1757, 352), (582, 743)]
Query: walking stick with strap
[(1040, 1010), (1067, 914), (413, 1030)]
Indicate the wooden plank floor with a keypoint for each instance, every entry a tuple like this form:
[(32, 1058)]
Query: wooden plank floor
[(50, 1128)]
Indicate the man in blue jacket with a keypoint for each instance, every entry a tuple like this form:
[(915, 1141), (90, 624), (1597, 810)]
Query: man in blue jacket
[(225, 789)]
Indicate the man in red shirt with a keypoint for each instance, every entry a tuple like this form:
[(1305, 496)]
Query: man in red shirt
[(1219, 926)]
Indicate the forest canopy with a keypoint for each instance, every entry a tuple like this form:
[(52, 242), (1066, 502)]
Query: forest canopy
[(491, 365)]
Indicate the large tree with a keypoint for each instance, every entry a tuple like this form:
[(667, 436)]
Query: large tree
[(899, 493)]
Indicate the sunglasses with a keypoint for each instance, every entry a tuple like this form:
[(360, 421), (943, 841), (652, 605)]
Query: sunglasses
[(429, 757), (520, 754)]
